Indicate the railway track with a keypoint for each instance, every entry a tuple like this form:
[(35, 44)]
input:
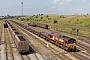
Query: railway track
[(9, 50), (12, 52), (83, 46), (31, 37), (0, 37), (85, 39), (54, 51), (32, 54), (2, 44), (78, 55), (81, 56), (82, 38)]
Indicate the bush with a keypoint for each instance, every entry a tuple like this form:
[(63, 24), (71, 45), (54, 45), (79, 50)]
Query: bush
[(55, 21), (41, 17), (73, 29), (62, 16), (47, 16), (41, 14)]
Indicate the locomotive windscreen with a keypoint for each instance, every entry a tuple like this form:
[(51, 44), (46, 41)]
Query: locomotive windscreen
[(71, 41)]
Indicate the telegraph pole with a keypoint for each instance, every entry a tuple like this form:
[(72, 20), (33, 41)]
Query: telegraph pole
[(22, 8)]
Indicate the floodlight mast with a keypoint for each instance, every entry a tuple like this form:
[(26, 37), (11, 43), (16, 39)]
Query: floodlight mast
[(22, 8)]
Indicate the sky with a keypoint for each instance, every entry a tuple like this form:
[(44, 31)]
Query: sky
[(31, 7)]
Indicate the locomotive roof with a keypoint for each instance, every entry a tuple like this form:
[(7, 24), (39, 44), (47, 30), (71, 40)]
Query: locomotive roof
[(60, 36), (55, 34), (67, 38)]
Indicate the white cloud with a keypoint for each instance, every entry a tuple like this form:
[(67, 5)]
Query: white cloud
[(5, 10), (52, 7), (70, 9), (88, 3), (78, 9), (42, 7), (60, 9), (83, 0), (27, 7), (61, 1), (69, 0)]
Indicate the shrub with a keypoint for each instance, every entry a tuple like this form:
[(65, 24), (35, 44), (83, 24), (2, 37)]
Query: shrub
[(55, 21), (41, 17), (47, 16), (62, 16)]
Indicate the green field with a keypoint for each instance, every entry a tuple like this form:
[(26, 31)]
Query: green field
[(66, 23)]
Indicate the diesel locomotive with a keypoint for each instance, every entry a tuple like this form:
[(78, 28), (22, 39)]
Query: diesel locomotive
[(64, 42)]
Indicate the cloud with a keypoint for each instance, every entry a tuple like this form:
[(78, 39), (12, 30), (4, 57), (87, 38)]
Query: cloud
[(69, 0), (78, 9), (71, 9), (88, 3), (5, 10), (27, 7), (61, 1), (60, 9), (52, 7), (83, 0)]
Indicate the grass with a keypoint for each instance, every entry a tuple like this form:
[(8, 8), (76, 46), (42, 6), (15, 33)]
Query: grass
[(64, 22)]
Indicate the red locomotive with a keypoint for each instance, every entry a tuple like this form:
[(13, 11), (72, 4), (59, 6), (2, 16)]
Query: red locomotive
[(63, 41)]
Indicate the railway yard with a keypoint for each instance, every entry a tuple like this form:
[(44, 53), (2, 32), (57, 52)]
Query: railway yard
[(39, 48)]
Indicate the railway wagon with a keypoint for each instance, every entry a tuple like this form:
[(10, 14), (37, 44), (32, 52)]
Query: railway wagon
[(21, 43), (31, 24), (5, 24), (45, 26), (35, 24), (64, 42)]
